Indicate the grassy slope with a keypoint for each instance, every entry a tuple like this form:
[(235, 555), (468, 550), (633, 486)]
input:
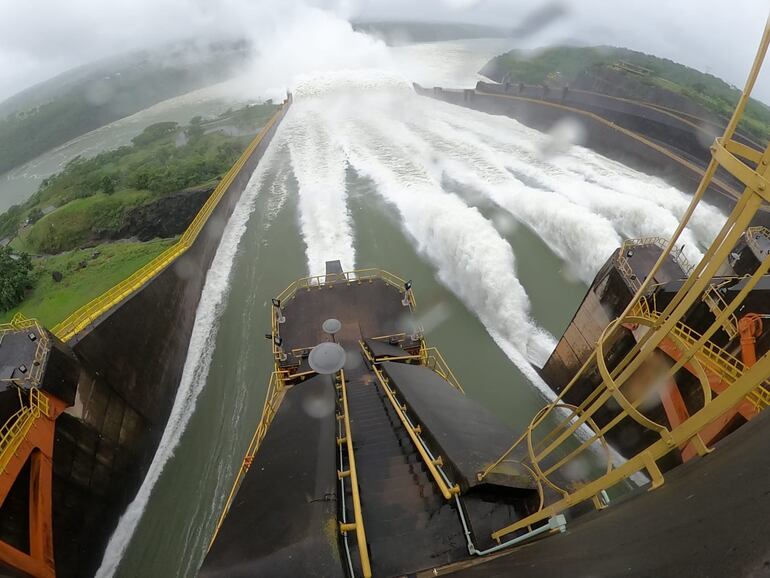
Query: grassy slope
[(50, 302), (71, 225), (705, 89)]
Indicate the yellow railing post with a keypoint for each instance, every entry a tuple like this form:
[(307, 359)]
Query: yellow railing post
[(358, 524)]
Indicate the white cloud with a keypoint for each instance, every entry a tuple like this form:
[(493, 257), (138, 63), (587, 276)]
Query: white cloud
[(39, 38)]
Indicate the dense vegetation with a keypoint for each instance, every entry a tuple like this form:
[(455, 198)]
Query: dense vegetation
[(87, 98), (565, 64), (64, 224), (92, 195), (83, 275), (15, 278)]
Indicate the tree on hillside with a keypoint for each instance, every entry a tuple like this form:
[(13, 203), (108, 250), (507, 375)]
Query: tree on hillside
[(34, 215), (155, 132), (108, 184), (15, 278), (195, 130)]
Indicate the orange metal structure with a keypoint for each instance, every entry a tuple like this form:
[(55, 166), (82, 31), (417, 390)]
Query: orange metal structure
[(749, 328), (37, 447), (677, 412)]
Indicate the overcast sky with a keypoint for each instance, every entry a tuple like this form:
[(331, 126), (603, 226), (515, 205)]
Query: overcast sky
[(40, 38)]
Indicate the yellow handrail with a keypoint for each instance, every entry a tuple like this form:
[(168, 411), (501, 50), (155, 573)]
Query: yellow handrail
[(354, 276), (446, 491), (429, 357), (273, 397), (358, 518), (88, 313), (15, 429), (432, 358), (324, 281)]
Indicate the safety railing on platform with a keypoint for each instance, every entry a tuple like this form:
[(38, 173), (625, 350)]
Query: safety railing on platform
[(91, 311), (429, 357), (562, 438), (15, 429), (34, 372), (273, 396), (715, 358), (752, 233), (621, 260), (358, 276), (357, 525), (716, 304)]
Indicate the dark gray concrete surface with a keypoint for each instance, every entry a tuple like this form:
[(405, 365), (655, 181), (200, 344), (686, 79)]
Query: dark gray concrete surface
[(710, 519), (283, 520), (465, 433)]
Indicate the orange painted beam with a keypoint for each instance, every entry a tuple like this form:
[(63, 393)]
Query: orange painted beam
[(41, 508), (749, 327), (745, 408), (38, 448), (676, 412), (21, 561)]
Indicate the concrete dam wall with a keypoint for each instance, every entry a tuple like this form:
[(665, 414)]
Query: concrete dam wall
[(128, 348), (671, 145)]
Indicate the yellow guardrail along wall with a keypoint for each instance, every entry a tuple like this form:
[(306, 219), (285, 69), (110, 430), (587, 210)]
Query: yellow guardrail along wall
[(81, 318)]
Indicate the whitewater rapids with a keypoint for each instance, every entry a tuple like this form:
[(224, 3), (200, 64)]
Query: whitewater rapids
[(412, 148)]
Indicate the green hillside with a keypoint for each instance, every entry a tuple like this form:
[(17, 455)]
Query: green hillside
[(58, 110), (566, 64)]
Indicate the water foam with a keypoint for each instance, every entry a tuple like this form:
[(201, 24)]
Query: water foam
[(319, 167), (471, 258), (636, 204)]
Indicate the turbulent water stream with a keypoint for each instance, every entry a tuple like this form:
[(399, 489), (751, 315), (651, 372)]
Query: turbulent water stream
[(499, 239)]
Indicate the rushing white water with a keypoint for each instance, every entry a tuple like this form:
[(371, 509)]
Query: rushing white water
[(199, 354), (581, 204), (319, 167), (587, 194), (413, 150)]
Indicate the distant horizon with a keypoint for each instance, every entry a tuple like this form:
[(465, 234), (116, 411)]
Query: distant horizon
[(572, 43)]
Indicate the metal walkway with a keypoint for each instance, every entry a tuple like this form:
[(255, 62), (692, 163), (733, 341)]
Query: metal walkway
[(408, 522)]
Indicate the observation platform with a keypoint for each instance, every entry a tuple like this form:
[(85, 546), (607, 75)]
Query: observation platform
[(23, 350), (345, 481)]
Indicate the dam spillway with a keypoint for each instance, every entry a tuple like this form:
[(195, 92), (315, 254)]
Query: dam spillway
[(322, 187), (334, 172)]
